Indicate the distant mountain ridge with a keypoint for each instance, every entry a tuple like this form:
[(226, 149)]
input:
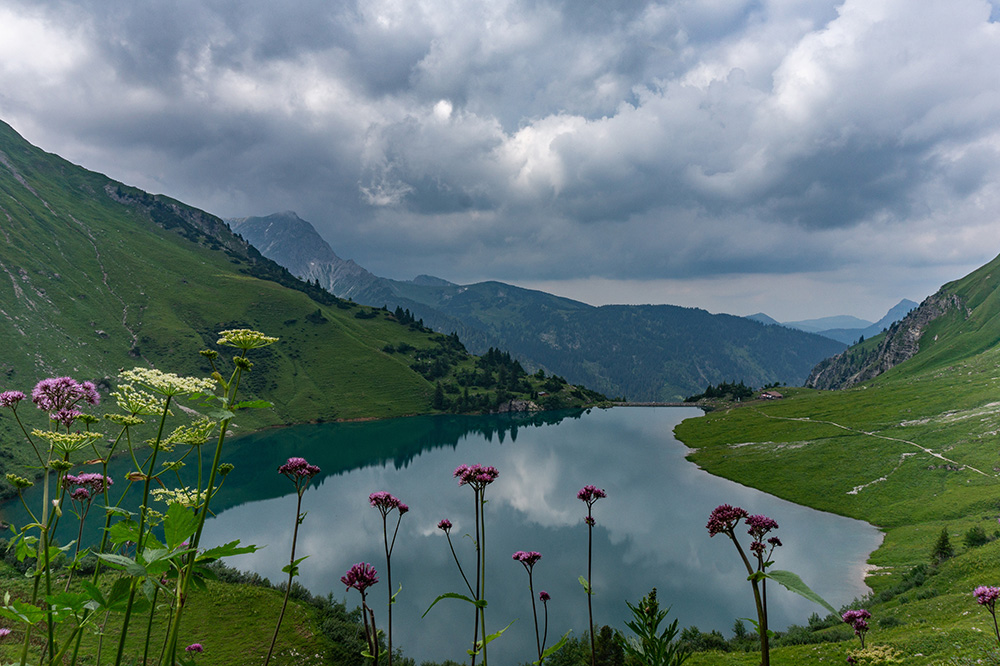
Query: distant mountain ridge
[(959, 321), (844, 328), (649, 352)]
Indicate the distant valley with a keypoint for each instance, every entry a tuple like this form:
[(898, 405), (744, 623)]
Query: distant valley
[(642, 352)]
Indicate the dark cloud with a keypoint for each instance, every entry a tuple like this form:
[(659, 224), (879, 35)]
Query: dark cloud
[(542, 139)]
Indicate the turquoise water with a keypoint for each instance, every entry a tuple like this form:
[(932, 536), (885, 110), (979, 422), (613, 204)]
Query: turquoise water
[(650, 529)]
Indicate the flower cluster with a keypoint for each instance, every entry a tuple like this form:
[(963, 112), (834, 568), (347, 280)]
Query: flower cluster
[(477, 476), (298, 468), (590, 494), (987, 596), (244, 338), (527, 558), (194, 647), (361, 576), (55, 394), (167, 383), (4, 632), (386, 502), (444, 525), (85, 486), (544, 596), (858, 619), (136, 401), (11, 398), (759, 526), (724, 519)]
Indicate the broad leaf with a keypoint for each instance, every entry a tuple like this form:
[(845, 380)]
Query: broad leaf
[(226, 550), (455, 595), (179, 524), (792, 582), (549, 651)]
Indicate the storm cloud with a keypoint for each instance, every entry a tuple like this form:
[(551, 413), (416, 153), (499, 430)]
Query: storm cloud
[(678, 150)]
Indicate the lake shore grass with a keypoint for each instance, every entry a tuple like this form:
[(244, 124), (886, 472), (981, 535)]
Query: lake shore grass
[(912, 454)]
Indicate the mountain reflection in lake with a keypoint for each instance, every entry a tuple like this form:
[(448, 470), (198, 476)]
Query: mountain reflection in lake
[(650, 529)]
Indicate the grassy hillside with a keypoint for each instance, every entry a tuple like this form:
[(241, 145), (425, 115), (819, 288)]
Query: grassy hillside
[(96, 276), (914, 452)]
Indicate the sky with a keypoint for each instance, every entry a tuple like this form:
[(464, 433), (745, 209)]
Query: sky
[(801, 158)]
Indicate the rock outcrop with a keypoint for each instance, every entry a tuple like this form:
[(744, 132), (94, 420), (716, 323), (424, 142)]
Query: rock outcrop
[(901, 342)]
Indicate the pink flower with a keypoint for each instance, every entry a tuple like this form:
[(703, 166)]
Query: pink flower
[(724, 519), (194, 647), (4, 632), (297, 468), (478, 476), (386, 502), (361, 576), (544, 596), (590, 494), (10, 398), (527, 558), (444, 524), (986, 596)]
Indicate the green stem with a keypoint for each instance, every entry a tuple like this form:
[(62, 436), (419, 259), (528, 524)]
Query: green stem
[(590, 585), (291, 574)]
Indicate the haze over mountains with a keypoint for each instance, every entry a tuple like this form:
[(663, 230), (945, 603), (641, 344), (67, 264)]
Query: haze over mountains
[(643, 352), (844, 328)]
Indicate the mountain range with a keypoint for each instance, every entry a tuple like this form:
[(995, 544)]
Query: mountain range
[(844, 328), (643, 352), (96, 276)]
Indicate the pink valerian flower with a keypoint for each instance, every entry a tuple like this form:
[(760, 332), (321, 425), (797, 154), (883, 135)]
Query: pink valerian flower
[(194, 647), (544, 596), (66, 416), (57, 393), (759, 526), (386, 502), (589, 520), (987, 596), (11, 398), (590, 494), (478, 476), (298, 468), (361, 576), (858, 619), (4, 632), (445, 525), (527, 558), (80, 495), (724, 519), (95, 483)]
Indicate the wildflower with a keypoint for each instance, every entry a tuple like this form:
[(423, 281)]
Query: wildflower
[(477, 476), (56, 393), (136, 401), (10, 399), (67, 442), (724, 519), (124, 419), (19, 482), (296, 468), (544, 596), (244, 338), (4, 632), (445, 525), (194, 434), (80, 495), (167, 383), (760, 525), (361, 576), (590, 494), (858, 619), (66, 416), (92, 481), (986, 596), (774, 541), (194, 647), (226, 468), (528, 558), (385, 502), (243, 363), (589, 520)]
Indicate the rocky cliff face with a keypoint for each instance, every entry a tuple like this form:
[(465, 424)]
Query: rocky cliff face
[(901, 342)]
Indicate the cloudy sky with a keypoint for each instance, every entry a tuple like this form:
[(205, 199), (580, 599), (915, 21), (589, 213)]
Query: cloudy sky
[(797, 157)]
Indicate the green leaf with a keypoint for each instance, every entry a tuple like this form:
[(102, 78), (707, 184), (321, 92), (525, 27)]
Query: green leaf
[(549, 651), (455, 595), (586, 585), (791, 581), (219, 414), (22, 612), (492, 637), (130, 566), (293, 568), (392, 599), (253, 404), (179, 524), (122, 531), (226, 550)]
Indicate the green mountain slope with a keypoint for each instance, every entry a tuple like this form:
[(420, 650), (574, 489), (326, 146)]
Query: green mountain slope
[(644, 352), (96, 276), (913, 451)]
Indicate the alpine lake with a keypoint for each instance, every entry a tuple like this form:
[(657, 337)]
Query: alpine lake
[(650, 529)]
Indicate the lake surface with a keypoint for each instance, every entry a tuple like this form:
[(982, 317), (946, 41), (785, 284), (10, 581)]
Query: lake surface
[(650, 529)]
